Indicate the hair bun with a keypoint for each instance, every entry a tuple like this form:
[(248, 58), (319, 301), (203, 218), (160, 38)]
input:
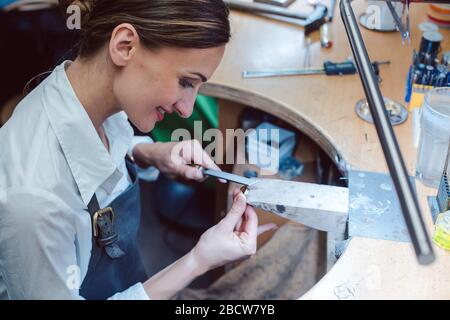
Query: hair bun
[(84, 5)]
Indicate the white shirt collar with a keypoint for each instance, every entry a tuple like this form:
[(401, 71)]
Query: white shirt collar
[(90, 162)]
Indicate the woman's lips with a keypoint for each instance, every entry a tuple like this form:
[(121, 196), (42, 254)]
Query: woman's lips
[(160, 113)]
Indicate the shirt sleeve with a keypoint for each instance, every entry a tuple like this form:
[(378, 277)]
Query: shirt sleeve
[(147, 174), (135, 292), (38, 253)]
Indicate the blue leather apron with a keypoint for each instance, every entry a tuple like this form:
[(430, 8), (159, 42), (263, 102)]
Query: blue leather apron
[(115, 263)]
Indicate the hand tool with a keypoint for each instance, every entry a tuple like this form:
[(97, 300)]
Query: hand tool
[(325, 34), (331, 10), (404, 29), (279, 3), (307, 57), (310, 22), (329, 68), (225, 176), (229, 177)]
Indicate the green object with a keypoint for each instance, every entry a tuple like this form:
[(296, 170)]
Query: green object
[(205, 110)]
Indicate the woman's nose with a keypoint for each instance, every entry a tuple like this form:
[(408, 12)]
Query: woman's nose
[(185, 106)]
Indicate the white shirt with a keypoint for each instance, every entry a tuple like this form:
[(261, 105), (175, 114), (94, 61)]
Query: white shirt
[(52, 161)]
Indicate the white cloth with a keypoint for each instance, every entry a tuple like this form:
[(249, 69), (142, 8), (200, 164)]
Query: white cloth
[(52, 161)]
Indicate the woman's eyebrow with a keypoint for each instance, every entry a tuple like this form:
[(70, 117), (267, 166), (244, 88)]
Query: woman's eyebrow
[(202, 77)]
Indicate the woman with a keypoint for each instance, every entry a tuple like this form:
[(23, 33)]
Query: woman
[(69, 201)]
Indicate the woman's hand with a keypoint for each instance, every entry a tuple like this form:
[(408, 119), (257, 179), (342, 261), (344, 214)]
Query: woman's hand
[(174, 158), (233, 238)]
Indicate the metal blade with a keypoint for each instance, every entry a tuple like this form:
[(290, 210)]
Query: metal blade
[(229, 177)]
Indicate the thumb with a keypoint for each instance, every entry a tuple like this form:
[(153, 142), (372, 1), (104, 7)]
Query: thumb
[(237, 210), (190, 172)]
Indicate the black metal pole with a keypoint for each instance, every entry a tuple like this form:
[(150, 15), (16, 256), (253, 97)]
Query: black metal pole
[(397, 169)]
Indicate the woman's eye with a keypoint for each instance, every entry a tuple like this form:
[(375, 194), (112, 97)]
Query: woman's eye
[(186, 83)]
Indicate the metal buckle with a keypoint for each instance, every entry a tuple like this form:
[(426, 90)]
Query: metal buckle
[(130, 157), (100, 213)]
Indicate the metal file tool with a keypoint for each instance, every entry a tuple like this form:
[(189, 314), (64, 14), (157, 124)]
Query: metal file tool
[(229, 177)]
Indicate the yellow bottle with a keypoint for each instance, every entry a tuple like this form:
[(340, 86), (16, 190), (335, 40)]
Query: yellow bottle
[(441, 236)]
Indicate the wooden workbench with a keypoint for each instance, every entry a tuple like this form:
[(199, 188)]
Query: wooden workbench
[(324, 109)]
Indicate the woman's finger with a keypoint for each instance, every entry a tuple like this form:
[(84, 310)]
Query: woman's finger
[(209, 163), (239, 225), (190, 172), (250, 223), (200, 157), (236, 212)]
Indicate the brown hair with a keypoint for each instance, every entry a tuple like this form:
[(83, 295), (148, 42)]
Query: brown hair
[(159, 23)]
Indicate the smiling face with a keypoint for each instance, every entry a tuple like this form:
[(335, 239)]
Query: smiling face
[(148, 83)]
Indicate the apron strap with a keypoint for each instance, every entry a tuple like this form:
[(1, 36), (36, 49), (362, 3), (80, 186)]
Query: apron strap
[(103, 228)]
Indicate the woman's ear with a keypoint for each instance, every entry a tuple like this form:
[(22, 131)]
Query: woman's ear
[(123, 44)]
